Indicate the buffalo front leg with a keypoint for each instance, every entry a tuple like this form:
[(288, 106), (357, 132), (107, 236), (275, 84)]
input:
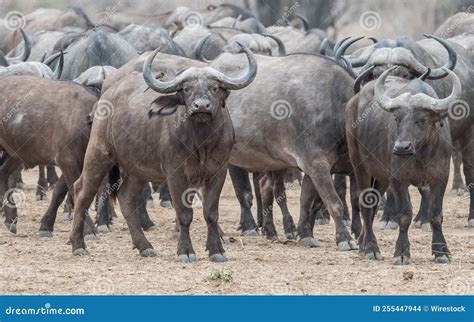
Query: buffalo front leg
[(211, 193), (47, 222), (243, 192), (439, 246), (183, 198), (130, 196), (403, 209)]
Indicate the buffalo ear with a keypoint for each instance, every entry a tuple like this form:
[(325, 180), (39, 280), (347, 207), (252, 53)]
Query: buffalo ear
[(165, 105)]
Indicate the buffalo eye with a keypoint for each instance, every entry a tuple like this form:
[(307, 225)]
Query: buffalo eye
[(214, 89), (187, 90), (396, 119)]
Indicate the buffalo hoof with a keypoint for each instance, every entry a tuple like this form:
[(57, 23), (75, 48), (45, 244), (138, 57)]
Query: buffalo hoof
[(11, 228), (443, 259), (45, 234), (426, 227), (383, 225), (458, 192), (251, 232), (290, 236), (225, 240), (373, 256), (150, 204), (308, 242), (176, 235), (470, 223), (91, 237), (321, 222), (191, 258), (149, 252), (80, 252), (401, 260), (166, 204), (347, 245), (417, 224), (347, 222), (379, 214), (67, 216), (103, 229), (218, 258), (392, 225), (151, 228)]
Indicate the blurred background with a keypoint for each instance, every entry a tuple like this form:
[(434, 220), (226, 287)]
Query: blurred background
[(339, 17)]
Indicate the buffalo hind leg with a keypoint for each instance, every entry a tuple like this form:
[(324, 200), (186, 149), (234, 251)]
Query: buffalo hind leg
[(47, 222), (130, 196), (7, 195), (308, 197), (467, 148), (279, 192), (266, 192), (51, 176), (243, 192), (389, 216), (319, 171), (458, 187), (423, 218), (42, 185), (96, 166)]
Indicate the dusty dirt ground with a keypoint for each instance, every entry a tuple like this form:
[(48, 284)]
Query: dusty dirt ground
[(30, 265)]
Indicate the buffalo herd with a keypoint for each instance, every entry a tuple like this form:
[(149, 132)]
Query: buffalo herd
[(179, 100)]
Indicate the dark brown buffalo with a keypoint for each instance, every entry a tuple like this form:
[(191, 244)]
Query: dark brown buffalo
[(184, 139), (38, 129), (402, 139)]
